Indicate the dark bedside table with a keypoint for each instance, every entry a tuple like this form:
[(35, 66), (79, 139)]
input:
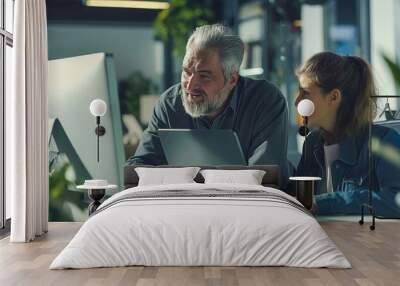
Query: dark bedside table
[(96, 192)]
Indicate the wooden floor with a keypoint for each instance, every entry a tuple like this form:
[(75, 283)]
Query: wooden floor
[(374, 255)]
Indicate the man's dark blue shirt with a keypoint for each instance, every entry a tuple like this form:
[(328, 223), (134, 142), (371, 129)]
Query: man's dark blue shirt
[(256, 110)]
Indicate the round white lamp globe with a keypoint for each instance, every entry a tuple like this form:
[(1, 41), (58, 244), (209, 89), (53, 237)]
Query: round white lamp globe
[(305, 107), (98, 107)]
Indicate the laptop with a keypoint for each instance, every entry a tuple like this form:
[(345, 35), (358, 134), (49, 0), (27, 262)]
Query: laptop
[(201, 147)]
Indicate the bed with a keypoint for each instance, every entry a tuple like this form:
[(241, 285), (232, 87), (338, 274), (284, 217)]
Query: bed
[(198, 224)]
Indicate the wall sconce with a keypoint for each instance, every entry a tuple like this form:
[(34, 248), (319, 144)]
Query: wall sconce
[(305, 185), (305, 108), (98, 108)]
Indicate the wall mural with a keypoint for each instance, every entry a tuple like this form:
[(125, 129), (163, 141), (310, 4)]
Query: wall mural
[(338, 152)]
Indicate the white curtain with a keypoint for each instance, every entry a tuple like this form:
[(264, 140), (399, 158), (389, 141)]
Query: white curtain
[(27, 123)]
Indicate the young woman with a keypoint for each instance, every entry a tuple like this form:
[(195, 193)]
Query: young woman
[(342, 90)]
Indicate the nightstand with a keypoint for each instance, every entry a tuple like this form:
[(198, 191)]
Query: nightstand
[(96, 192), (305, 187)]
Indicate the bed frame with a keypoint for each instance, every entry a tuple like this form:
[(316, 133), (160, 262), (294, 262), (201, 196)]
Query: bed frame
[(270, 179)]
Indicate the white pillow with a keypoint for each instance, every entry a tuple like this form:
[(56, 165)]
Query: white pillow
[(162, 176), (248, 177)]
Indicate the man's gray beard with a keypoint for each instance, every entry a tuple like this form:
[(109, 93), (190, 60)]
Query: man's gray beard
[(203, 108)]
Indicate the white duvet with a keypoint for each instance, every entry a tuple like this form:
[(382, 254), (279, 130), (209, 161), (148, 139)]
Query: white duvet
[(185, 231)]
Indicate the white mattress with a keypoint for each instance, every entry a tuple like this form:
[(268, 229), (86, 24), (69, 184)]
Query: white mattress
[(183, 231)]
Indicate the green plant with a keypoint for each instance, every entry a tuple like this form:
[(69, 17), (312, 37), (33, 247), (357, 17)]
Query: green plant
[(130, 91), (394, 68), (179, 20), (64, 205)]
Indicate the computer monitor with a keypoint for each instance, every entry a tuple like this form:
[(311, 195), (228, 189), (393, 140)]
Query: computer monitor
[(73, 83), (201, 147)]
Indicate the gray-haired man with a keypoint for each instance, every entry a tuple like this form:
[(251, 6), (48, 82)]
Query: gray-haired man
[(212, 95)]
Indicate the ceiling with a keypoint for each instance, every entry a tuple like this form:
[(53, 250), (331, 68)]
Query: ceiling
[(74, 10)]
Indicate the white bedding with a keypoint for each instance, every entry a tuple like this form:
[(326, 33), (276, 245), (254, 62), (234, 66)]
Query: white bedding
[(182, 231)]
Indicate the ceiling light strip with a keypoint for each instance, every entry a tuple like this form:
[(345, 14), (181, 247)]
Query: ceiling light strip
[(128, 4)]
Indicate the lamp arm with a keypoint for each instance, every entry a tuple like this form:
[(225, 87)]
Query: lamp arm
[(305, 138), (100, 131), (98, 136)]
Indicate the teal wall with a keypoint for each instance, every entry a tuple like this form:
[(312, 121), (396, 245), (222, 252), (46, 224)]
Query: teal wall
[(134, 47)]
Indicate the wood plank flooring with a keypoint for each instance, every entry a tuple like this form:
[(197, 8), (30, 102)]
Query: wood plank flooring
[(374, 255)]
